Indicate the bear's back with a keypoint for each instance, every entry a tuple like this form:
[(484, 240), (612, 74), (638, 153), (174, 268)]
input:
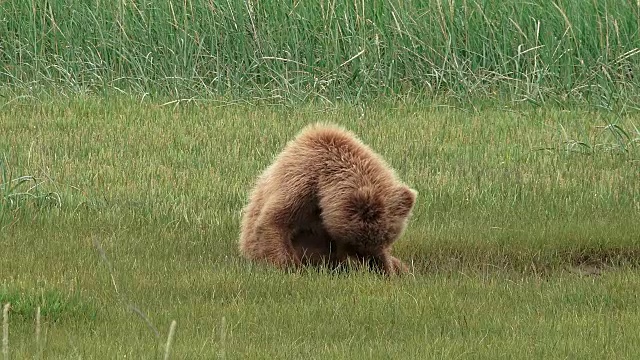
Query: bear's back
[(333, 150)]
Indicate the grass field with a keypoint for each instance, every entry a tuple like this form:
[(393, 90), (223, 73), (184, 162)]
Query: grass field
[(523, 243), (131, 132)]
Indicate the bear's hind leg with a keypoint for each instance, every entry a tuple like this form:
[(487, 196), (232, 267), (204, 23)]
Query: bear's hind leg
[(272, 240)]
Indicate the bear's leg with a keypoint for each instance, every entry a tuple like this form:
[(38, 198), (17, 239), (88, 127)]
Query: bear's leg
[(399, 266), (250, 215), (275, 246), (311, 248), (381, 263), (386, 264), (314, 245), (274, 235)]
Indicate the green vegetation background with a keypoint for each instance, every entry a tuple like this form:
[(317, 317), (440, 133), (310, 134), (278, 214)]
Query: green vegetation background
[(131, 131), (347, 50)]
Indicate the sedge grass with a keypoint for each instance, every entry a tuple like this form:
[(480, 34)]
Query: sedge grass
[(524, 51)]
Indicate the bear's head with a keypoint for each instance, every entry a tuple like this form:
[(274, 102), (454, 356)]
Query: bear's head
[(369, 218)]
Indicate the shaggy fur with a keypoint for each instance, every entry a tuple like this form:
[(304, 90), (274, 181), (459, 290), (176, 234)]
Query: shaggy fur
[(326, 198)]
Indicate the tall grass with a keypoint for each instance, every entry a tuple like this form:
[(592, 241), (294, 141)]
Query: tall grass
[(325, 49)]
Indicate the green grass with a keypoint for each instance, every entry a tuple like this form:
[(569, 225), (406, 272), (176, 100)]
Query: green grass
[(54, 304), (120, 213), (540, 51), (22, 191), (523, 243)]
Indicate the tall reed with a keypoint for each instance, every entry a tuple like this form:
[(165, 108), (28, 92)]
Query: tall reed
[(333, 49)]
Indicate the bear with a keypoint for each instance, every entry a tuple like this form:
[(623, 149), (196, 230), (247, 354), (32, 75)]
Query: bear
[(315, 247), (327, 198)]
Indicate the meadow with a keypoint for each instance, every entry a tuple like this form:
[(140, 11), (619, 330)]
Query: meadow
[(131, 132), (523, 243)]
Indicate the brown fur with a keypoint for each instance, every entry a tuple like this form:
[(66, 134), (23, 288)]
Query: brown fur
[(327, 198)]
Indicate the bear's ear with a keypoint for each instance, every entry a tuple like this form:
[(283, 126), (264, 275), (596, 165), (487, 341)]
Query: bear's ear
[(405, 199), (366, 204)]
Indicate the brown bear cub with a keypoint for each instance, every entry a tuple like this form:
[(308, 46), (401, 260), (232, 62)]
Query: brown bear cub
[(326, 199)]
